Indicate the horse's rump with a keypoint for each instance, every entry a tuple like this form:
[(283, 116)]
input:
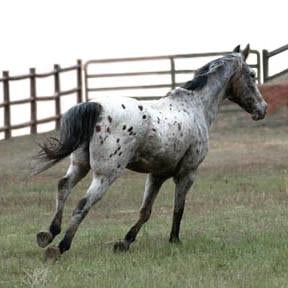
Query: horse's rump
[(77, 128)]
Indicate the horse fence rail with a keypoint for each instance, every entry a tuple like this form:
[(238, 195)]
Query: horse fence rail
[(266, 56), (34, 99), (171, 70)]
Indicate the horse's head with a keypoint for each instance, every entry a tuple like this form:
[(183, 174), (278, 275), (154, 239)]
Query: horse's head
[(243, 88)]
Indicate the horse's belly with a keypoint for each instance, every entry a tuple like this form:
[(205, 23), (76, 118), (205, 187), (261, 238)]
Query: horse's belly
[(155, 167), (156, 161)]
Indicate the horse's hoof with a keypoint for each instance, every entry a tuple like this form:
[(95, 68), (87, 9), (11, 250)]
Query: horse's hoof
[(44, 238), (52, 254), (175, 241), (121, 246)]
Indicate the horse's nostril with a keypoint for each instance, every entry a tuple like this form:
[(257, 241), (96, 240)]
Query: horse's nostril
[(265, 106)]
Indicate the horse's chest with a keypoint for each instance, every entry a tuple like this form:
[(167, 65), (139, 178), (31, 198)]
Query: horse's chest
[(196, 152)]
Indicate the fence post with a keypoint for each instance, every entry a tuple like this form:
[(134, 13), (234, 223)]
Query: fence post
[(172, 64), (265, 58), (86, 82), (6, 97), (79, 81), (258, 55), (33, 107), (57, 95)]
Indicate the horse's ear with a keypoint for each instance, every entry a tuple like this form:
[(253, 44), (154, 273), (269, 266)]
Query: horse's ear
[(246, 52), (237, 49)]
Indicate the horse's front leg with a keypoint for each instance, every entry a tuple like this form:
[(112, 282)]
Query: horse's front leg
[(152, 187), (74, 174), (183, 184)]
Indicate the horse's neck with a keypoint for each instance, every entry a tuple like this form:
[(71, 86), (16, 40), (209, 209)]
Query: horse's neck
[(210, 102), (211, 97)]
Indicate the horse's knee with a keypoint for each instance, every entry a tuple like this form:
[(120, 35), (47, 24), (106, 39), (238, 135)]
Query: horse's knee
[(145, 214)]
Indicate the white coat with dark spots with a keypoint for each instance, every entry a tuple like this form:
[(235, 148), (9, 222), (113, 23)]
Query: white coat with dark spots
[(165, 138)]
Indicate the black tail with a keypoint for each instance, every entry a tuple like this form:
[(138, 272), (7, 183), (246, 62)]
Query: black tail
[(77, 127)]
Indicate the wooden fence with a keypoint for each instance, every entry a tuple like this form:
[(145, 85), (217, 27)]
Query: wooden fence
[(34, 99), (266, 56), (171, 70)]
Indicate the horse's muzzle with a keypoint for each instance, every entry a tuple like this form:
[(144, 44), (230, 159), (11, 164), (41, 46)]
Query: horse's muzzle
[(260, 112)]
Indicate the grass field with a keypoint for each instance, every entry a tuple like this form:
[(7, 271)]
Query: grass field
[(234, 231)]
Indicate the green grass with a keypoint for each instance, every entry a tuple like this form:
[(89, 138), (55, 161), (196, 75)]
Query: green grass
[(234, 231)]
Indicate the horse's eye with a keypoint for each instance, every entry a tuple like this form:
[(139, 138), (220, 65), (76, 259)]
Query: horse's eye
[(253, 74)]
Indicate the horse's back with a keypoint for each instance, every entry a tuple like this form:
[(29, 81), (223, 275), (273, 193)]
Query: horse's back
[(122, 111)]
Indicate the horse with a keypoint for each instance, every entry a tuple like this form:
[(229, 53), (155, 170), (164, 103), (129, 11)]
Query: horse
[(166, 138)]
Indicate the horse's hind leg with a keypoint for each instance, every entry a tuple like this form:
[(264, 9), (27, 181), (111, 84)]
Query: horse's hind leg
[(78, 169), (95, 192), (152, 187)]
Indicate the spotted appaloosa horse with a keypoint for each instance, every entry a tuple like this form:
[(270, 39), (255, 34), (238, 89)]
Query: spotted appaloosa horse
[(166, 138)]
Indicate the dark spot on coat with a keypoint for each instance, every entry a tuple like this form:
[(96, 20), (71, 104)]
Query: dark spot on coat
[(108, 130), (118, 140), (101, 142), (110, 155), (134, 134), (123, 106), (120, 153), (118, 166), (140, 107), (153, 129), (130, 129), (179, 126), (158, 120), (98, 128), (110, 119), (124, 127), (131, 133), (144, 116)]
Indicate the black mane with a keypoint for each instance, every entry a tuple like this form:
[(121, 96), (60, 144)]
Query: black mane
[(201, 75)]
